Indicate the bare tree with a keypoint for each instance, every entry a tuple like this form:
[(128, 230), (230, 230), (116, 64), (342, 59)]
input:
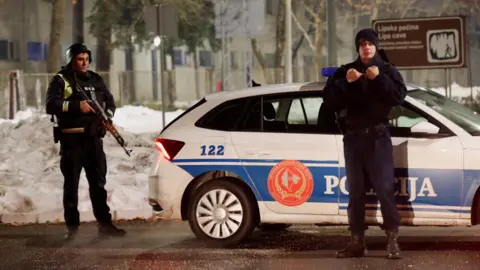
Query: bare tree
[(56, 28), (279, 45)]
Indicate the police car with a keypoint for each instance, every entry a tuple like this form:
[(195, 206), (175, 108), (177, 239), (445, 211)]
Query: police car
[(270, 156)]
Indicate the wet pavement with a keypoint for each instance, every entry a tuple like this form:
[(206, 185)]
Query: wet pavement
[(171, 245)]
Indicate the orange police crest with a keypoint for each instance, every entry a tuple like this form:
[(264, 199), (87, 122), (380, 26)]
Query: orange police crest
[(290, 183)]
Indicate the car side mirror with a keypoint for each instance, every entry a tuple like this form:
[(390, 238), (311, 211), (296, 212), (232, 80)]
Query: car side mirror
[(424, 127)]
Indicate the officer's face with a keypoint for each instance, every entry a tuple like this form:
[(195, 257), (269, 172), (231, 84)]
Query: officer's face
[(80, 63), (367, 49)]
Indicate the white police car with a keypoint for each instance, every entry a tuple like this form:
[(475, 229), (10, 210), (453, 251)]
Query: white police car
[(270, 156)]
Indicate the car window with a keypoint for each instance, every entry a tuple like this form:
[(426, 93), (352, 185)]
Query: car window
[(305, 110), (223, 117), (296, 113), (404, 118), (459, 114), (275, 105), (290, 115)]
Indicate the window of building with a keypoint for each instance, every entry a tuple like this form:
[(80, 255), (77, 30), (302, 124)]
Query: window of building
[(205, 59), (270, 6), (9, 50), (234, 63), (179, 57), (35, 51), (4, 50)]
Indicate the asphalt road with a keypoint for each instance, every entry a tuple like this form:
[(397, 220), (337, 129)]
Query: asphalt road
[(171, 245)]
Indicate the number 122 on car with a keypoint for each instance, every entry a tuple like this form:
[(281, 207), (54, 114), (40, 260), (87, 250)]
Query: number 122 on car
[(212, 150)]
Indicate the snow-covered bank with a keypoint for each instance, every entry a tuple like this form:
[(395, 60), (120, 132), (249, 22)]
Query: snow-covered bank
[(30, 177), (459, 91)]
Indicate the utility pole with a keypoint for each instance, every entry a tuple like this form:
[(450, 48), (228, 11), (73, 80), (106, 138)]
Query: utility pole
[(77, 21), (288, 38)]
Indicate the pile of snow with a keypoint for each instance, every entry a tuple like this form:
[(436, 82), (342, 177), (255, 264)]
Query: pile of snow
[(30, 177), (20, 115), (458, 91), (138, 119)]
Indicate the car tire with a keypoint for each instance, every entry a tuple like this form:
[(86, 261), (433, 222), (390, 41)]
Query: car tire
[(273, 227), (476, 207), (231, 218)]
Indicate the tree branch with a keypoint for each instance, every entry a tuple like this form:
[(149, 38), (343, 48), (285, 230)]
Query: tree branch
[(305, 34)]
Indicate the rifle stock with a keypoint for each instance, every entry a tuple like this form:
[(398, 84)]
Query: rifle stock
[(105, 120)]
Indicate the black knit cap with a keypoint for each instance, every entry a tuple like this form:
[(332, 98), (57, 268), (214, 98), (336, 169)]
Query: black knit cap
[(367, 34)]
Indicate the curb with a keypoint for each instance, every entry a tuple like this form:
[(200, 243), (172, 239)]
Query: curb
[(56, 216)]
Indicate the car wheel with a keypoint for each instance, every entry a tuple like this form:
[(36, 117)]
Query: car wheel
[(273, 227), (476, 204), (222, 213)]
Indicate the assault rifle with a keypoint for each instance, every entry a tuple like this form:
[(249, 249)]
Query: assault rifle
[(105, 120)]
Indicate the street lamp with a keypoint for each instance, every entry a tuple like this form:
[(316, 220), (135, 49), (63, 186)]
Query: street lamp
[(157, 41)]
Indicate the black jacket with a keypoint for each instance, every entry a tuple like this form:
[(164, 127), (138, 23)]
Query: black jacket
[(67, 109), (365, 102)]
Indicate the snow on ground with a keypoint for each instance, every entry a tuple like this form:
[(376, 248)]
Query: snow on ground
[(138, 119), (459, 91), (30, 177)]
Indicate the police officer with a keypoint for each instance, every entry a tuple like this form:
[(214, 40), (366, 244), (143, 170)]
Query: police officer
[(80, 134), (362, 94)]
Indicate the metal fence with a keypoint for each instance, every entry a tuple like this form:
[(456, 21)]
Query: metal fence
[(183, 86)]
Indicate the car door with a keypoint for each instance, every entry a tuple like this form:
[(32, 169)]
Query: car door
[(428, 169), (290, 161)]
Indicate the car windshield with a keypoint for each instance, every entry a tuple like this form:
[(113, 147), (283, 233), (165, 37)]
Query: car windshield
[(461, 115)]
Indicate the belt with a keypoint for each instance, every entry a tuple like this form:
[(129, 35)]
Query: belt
[(73, 130), (367, 130)]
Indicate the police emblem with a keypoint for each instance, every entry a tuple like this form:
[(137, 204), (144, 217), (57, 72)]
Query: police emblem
[(290, 183)]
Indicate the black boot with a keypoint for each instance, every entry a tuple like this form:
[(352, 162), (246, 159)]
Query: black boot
[(393, 250), (356, 248), (71, 233), (108, 229)]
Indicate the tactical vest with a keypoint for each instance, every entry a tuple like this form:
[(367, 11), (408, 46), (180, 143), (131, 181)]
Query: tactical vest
[(67, 92)]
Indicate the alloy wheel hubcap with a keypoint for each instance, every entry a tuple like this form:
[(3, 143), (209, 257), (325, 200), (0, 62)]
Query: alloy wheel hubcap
[(219, 213)]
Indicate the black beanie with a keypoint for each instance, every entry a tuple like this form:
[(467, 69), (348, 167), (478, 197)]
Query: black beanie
[(367, 34)]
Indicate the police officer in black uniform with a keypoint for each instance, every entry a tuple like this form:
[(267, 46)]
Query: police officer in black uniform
[(80, 134), (362, 94)]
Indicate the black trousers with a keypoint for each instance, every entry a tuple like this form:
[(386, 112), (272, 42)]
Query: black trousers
[(80, 151), (368, 157)]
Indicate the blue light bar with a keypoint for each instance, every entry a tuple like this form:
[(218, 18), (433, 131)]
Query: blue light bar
[(328, 71)]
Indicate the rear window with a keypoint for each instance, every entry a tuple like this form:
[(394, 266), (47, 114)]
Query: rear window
[(203, 100), (224, 117)]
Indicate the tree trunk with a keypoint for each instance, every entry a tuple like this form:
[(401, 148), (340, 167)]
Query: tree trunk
[(195, 63), (130, 83), (279, 41), (261, 60), (104, 40), (78, 22), (171, 90), (318, 46), (56, 28), (103, 57)]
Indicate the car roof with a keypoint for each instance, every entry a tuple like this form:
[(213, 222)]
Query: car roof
[(277, 88)]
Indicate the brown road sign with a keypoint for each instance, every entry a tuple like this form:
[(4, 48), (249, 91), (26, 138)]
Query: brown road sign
[(420, 43)]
